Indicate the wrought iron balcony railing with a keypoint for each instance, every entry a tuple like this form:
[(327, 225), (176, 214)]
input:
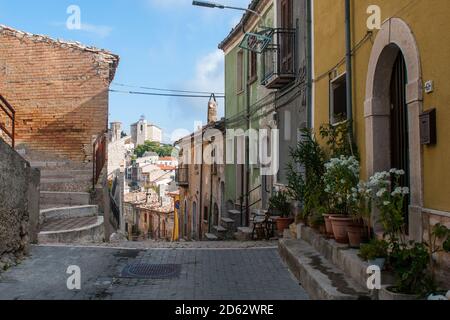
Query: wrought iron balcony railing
[(278, 59)]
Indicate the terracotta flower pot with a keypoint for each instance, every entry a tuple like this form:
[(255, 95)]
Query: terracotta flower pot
[(328, 225), (386, 293), (355, 235), (340, 226), (283, 224)]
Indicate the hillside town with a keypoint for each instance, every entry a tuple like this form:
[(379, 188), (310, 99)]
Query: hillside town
[(319, 173)]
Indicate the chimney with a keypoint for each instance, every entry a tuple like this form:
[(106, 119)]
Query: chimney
[(212, 109)]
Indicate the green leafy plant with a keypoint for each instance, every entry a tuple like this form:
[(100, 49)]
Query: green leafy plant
[(374, 250), (410, 264), (279, 204), (389, 197), (149, 146), (339, 139), (341, 178), (307, 184)]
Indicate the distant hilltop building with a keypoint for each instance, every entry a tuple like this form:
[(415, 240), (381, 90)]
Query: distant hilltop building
[(142, 131)]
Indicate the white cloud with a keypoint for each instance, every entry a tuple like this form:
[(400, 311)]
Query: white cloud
[(209, 73)]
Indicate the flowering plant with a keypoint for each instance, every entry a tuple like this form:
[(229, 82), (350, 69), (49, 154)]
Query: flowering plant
[(340, 178), (389, 197)]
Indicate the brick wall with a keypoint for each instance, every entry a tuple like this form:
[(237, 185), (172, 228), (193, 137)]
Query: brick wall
[(59, 90)]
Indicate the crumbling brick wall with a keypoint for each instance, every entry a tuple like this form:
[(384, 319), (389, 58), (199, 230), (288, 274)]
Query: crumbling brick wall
[(59, 90)]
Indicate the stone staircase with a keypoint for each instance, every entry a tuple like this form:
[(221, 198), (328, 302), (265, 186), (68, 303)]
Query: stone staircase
[(66, 213), (64, 176), (327, 270)]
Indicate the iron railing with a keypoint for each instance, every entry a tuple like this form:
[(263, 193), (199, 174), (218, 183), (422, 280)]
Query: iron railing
[(100, 157), (278, 67), (8, 123), (182, 176)]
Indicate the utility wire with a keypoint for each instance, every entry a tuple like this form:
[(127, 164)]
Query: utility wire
[(166, 90), (164, 94)]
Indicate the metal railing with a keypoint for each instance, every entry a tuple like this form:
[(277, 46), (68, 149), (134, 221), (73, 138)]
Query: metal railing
[(279, 57), (100, 157), (182, 176), (10, 121)]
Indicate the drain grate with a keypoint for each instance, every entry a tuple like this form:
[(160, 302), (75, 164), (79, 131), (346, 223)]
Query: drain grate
[(151, 271)]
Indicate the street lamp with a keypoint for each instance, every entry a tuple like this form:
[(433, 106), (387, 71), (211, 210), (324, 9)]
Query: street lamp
[(208, 4)]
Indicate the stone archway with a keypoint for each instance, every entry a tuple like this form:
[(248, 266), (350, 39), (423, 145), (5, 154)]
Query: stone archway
[(395, 35)]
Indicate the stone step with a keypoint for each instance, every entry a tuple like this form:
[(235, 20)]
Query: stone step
[(220, 229), (63, 199), (227, 220), (66, 186), (67, 213), (318, 276), (73, 230), (243, 234), (211, 237), (54, 174), (340, 255)]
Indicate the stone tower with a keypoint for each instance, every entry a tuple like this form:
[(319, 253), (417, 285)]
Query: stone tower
[(212, 110), (116, 131)]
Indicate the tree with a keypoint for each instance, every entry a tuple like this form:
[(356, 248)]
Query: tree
[(163, 150)]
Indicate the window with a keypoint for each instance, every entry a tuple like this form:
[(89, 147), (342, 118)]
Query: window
[(338, 99), (240, 72), (287, 45), (253, 73)]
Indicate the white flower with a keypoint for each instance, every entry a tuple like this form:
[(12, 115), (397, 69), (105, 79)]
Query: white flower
[(386, 203), (405, 191), (381, 192)]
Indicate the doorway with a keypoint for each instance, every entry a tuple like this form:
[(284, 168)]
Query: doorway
[(399, 136)]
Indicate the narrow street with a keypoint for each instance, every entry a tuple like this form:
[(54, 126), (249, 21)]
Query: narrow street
[(192, 274)]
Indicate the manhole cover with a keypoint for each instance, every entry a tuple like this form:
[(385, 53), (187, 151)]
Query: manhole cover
[(151, 271)]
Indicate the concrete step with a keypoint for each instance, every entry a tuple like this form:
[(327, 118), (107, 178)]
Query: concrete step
[(63, 199), (211, 237), (320, 278), (342, 256), (229, 224), (73, 230), (220, 229)]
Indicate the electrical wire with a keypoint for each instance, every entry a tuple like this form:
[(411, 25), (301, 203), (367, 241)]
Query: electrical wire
[(164, 90), (164, 94)]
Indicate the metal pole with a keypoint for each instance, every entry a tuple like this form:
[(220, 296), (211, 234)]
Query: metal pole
[(348, 44)]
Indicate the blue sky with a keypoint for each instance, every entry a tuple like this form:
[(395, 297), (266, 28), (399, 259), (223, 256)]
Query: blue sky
[(162, 43)]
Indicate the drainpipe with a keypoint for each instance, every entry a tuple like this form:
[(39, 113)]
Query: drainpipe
[(348, 45), (247, 148), (200, 217), (309, 66)]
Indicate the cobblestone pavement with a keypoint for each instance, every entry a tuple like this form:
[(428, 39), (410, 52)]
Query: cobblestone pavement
[(203, 274)]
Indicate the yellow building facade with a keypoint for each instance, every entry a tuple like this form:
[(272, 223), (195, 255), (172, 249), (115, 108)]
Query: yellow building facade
[(411, 45)]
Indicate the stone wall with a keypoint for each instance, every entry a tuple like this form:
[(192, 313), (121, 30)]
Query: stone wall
[(59, 90), (19, 206)]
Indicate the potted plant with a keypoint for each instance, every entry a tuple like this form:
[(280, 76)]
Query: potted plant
[(375, 253), (340, 178), (360, 229), (280, 206), (410, 263)]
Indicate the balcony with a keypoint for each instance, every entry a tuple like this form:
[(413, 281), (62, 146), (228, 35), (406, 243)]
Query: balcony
[(278, 59), (182, 176)]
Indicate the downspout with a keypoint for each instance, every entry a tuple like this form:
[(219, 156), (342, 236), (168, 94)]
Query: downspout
[(309, 66), (247, 147), (348, 45), (200, 222)]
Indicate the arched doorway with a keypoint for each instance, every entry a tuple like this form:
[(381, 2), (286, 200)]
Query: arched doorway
[(392, 110)]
